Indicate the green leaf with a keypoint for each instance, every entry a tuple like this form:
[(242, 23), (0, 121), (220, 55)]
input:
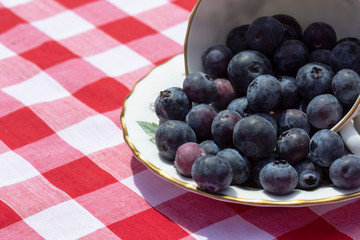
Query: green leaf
[(149, 129)]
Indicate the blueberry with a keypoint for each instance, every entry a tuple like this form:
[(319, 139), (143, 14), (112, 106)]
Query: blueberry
[(345, 54), (240, 105), (211, 173), (199, 87), (289, 96), (293, 145), (345, 172), (239, 164), (270, 119), (210, 147), (290, 21), (263, 93), (172, 104), (200, 118), (310, 175), (325, 147), (171, 135), (320, 35), (265, 34), (226, 92), (256, 168), (302, 105), (215, 60), (346, 86), (291, 56), (320, 56), (351, 39), (278, 177), (324, 111), (289, 33), (245, 66), (236, 39), (255, 137), (185, 157), (314, 79), (292, 118), (222, 127)]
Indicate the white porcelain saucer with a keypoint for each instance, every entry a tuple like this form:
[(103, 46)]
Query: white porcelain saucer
[(138, 116)]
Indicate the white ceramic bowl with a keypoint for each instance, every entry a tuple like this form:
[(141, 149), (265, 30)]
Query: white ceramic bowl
[(211, 21)]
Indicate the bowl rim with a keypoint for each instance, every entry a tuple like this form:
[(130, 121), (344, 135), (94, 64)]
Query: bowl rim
[(219, 196)]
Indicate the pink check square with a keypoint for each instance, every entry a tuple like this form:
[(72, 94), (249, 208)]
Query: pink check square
[(62, 113), (32, 196), (106, 204), (9, 70), (48, 153)]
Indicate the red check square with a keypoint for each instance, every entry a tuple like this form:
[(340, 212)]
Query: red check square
[(7, 215), (145, 224), (8, 20), (48, 54), (104, 95), (187, 4), (79, 177), (73, 4), (122, 29), (22, 127), (318, 229)]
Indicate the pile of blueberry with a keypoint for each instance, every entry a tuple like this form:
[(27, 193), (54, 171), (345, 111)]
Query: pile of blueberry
[(260, 113)]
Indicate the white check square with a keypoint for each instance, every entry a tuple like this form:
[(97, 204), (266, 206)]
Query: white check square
[(134, 7), (177, 33), (63, 25), (151, 194), (232, 228), (92, 134), (40, 88), (13, 3), (67, 220), (5, 52), (14, 169), (118, 61)]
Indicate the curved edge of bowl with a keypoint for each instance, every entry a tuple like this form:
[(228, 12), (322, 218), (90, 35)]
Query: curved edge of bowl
[(186, 41)]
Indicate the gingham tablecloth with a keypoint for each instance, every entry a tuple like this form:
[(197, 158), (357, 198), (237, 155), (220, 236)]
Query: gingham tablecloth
[(66, 172)]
